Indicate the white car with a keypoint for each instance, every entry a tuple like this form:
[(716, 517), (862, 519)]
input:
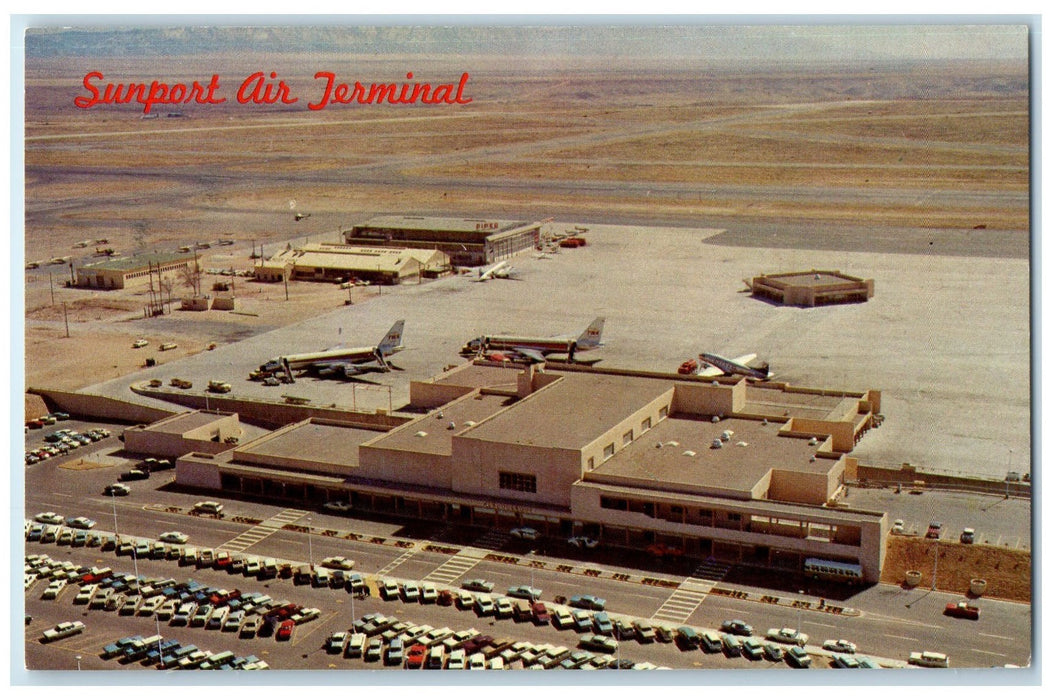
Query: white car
[(81, 523), (787, 635), (338, 506), (174, 537), (840, 645), (582, 542), (48, 518), (140, 343), (525, 533), (342, 563)]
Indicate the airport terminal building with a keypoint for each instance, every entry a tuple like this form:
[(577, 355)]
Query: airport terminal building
[(728, 469)]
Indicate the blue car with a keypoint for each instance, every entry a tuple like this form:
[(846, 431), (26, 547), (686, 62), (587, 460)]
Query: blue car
[(588, 602)]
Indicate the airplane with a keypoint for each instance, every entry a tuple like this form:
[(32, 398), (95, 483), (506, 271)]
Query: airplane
[(536, 349), (348, 361), (501, 270), (713, 365)]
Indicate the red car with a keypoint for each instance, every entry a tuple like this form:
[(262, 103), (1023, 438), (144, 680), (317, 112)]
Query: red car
[(415, 657), (540, 614), (445, 597), (664, 550), (962, 609), (285, 631)]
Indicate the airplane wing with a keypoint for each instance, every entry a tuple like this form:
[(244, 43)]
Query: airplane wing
[(745, 359), (531, 354), (709, 371)]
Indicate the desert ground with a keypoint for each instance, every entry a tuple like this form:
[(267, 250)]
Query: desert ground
[(689, 181)]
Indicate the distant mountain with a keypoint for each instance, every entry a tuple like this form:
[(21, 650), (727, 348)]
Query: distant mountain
[(613, 38)]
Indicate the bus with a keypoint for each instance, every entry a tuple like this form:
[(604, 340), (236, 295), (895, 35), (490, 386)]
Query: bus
[(832, 570)]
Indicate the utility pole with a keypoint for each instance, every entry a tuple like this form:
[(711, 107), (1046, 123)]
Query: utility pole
[(66, 317), (51, 283)]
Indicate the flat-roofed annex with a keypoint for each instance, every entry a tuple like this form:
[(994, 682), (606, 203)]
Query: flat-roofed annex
[(572, 412), (677, 455)]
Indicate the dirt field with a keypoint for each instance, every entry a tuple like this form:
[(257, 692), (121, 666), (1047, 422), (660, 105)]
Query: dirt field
[(696, 147), (1006, 571)]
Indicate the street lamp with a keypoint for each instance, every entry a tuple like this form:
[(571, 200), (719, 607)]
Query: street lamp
[(77, 657), (310, 546)]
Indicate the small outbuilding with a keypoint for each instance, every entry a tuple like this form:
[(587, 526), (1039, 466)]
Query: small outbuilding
[(812, 288)]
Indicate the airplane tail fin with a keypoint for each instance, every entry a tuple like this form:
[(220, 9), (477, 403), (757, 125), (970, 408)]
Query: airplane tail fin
[(592, 336), (393, 340)]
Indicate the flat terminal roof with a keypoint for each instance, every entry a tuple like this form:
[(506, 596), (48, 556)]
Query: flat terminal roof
[(186, 421), (325, 443), (482, 377), (439, 437), (732, 467), (437, 223), (812, 278), (772, 401), (571, 412), (134, 262)]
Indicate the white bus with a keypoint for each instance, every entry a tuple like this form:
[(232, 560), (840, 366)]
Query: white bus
[(832, 570)]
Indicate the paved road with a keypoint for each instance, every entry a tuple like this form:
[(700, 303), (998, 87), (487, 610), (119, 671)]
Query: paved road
[(893, 622)]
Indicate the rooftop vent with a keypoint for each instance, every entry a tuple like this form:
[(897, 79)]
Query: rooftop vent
[(421, 433)]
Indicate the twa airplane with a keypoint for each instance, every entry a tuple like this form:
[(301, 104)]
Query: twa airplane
[(712, 365), (502, 270), (348, 361), (536, 349)]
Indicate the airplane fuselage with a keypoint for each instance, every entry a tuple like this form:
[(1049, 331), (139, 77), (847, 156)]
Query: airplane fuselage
[(730, 367)]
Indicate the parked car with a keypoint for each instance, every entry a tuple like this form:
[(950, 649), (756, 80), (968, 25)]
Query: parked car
[(968, 535), (787, 635), (598, 642), (582, 542), (525, 533), (587, 602), (934, 530), (116, 490), (797, 656), (962, 609), (341, 563), (527, 592), (931, 659), (477, 584), (174, 537), (841, 646), (48, 518), (736, 627), (661, 550), (752, 648), (338, 506), (773, 651), (134, 475), (210, 507), (285, 630)]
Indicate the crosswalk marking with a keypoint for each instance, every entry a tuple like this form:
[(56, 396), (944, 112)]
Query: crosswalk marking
[(454, 568), (395, 564), (679, 606), (265, 529)]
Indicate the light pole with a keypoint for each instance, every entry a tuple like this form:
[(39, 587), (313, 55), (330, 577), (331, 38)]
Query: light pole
[(935, 568), (77, 657), (310, 546)]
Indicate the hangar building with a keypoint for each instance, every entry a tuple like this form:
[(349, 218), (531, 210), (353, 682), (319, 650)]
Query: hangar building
[(131, 271), (737, 471), (332, 262), (467, 242)]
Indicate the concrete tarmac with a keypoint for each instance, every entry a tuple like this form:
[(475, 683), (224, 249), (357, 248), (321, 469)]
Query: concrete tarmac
[(945, 337)]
